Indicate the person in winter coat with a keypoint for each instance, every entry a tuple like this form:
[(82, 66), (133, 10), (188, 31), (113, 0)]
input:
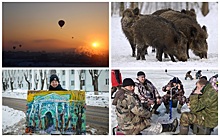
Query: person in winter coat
[(198, 74), (175, 88), (203, 110), (55, 83), (116, 79), (131, 116), (214, 82), (188, 75), (147, 93)]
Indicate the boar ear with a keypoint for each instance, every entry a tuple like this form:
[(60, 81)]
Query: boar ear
[(183, 11), (205, 30), (136, 11), (193, 31), (192, 10)]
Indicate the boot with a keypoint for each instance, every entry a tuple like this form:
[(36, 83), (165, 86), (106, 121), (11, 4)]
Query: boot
[(179, 108), (167, 109), (184, 130), (154, 109), (201, 130), (171, 127), (155, 112)]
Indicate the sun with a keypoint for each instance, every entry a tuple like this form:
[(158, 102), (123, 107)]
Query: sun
[(94, 44)]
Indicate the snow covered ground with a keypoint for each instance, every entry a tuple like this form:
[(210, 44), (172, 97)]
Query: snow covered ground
[(121, 49), (11, 117), (160, 78)]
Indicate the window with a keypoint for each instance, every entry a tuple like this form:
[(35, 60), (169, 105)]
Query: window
[(63, 83), (72, 71), (63, 72), (107, 81), (72, 83)]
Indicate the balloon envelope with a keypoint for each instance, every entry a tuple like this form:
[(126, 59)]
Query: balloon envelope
[(61, 23)]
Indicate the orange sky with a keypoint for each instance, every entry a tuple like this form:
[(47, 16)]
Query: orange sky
[(35, 25)]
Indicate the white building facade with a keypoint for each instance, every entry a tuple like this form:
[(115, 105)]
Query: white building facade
[(69, 79)]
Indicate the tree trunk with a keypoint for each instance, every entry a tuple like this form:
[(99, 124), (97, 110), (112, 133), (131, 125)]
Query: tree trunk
[(12, 88), (95, 84), (121, 8), (42, 84), (205, 8), (134, 5), (3, 85), (112, 8), (81, 84), (187, 5)]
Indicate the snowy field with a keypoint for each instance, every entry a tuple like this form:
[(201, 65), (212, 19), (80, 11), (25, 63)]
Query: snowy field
[(160, 78), (11, 117), (121, 49)]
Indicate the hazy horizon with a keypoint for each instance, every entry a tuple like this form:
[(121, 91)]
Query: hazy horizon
[(36, 24)]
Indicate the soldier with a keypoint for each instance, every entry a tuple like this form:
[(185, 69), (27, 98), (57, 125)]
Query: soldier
[(131, 116), (188, 75), (203, 110), (198, 74), (147, 93), (176, 88)]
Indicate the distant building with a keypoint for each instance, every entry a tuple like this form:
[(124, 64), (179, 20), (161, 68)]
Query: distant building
[(69, 79)]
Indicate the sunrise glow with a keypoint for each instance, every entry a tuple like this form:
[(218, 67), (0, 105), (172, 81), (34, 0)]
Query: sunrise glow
[(94, 44)]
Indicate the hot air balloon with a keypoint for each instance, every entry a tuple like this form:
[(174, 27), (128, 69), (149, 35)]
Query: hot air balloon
[(14, 47), (61, 23), (72, 37), (19, 45)]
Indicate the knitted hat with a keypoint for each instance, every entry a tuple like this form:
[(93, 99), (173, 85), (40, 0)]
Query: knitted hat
[(176, 80), (140, 73), (128, 82), (54, 77)]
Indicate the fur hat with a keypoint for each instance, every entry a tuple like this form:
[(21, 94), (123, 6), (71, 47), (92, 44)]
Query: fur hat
[(54, 77), (140, 73), (128, 82)]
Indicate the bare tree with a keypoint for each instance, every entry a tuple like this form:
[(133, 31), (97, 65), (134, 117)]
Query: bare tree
[(43, 77), (134, 5), (11, 74), (122, 8), (112, 8), (26, 74), (80, 79), (20, 80), (4, 84), (36, 80), (95, 75), (205, 8)]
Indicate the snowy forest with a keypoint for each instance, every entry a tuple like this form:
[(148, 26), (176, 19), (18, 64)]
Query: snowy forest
[(149, 7)]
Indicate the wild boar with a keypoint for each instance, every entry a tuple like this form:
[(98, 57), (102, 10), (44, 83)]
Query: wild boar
[(195, 34), (161, 34), (129, 17)]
